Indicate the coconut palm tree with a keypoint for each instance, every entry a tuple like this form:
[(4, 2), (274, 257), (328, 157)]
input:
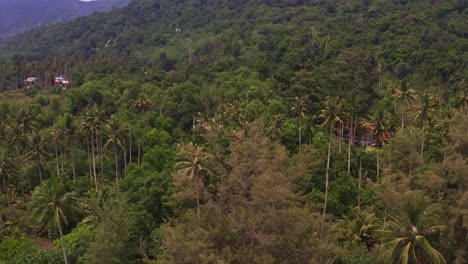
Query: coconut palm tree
[(380, 124), (425, 115), (299, 110), (407, 234), (6, 169), (358, 227), (69, 133), (406, 95), (192, 163), (56, 135), (38, 152), (52, 205), (89, 125), (115, 130), (331, 113)]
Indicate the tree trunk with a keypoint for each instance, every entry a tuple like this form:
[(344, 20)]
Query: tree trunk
[(89, 159), (18, 154), (94, 162), (62, 240), (197, 187), (101, 158), (349, 145), (359, 186), (300, 133), (327, 176), (116, 164), (130, 149), (402, 120), (422, 145), (378, 166), (40, 172), (139, 151), (341, 137), (125, 161), (56, 157), (72, 157)]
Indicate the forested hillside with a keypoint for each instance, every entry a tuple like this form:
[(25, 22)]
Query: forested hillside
[(262, 131)]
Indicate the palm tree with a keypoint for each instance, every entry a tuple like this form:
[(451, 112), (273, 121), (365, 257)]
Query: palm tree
[(309, 126), (89, 126), (6, 169), (299, 109), (407, 235), (53, 206), (425, 115), (192, 163), (56, 136), (332, 113), (405, 95), (380, 124), (38, 152), (115, 131), (358, 227), (69, 132)]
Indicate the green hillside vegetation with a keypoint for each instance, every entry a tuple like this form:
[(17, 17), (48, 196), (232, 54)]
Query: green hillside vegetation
[(267, 131)]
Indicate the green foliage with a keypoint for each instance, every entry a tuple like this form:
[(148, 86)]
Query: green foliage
[(16, 250)]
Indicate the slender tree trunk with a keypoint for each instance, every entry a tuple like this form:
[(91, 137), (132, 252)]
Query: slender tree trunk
[(359, 186), (341, 137), (378, 166), (1, 222), (10, 211), (125, 161), (101, 158), (422, 145), (62, 240), (40, 172), (402, 120), (56, 157), (349, 145), (94, 162), (18, 154), (72, 157), (62, 157), (139, 151), (327, 177), (300, 132), (197, 187), (116, 164), (130, 148), (89, 159)]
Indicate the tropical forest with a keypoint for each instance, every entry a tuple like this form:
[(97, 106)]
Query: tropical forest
[(238, 132)]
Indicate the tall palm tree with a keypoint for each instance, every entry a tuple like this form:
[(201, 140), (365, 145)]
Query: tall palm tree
[(69, 133), (309, 126), (407, 234), (38, 152), (192, 163), (380, 124), (425, 115), (54, 206), (7, 167), (331, 113), (89, 126), (115, 130), (56, 135), (405, 95), (357, 227), (299, 110)]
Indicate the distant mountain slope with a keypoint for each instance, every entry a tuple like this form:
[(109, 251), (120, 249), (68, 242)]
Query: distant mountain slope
[(404, 37), (18, 15)]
